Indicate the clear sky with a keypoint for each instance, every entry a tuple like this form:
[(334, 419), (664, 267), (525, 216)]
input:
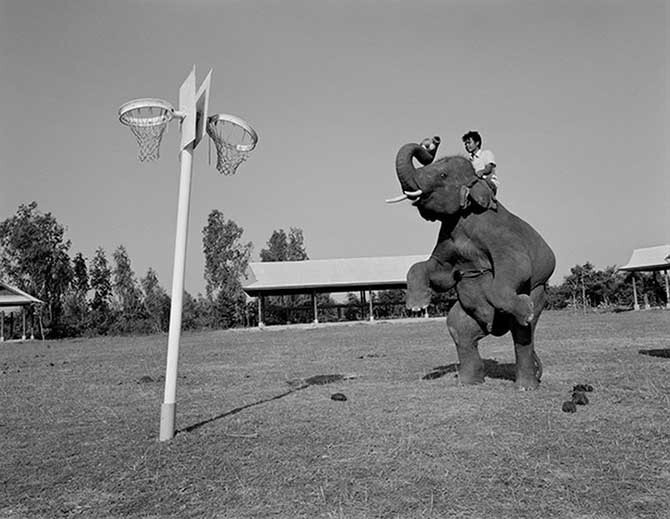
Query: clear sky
[(571, 96)]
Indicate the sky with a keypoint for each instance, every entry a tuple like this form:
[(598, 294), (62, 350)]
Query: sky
[(571, 96)]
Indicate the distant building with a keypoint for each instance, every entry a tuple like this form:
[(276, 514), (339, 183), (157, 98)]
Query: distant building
[(272, 278), (13, 302), (650, 259)]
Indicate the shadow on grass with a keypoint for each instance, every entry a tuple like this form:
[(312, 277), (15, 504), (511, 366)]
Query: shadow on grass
[(661, 352), (492, 369), (238, 409), (296, 385)]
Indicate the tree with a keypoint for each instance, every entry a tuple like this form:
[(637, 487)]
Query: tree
[(80, 282), (34, 256), (76, 308), (296, 245), (156, 302), (226, 260), (283, 247), (124, 285), (277, 247), (101, 284)]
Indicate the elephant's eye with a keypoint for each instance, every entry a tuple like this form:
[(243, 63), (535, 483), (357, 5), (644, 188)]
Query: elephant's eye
[(443, 175)]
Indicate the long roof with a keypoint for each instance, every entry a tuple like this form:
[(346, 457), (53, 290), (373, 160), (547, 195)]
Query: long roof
[(648, 259), (12, 296), (328, 275)]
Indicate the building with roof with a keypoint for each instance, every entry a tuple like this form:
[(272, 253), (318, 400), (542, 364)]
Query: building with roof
[(649, 259), (15, 301), (326, 276)]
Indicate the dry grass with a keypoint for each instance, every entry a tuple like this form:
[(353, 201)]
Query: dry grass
[(79, 425)]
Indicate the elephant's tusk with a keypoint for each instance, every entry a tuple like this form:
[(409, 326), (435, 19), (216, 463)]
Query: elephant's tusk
[(407, 194), (416, 193), (396, 199)]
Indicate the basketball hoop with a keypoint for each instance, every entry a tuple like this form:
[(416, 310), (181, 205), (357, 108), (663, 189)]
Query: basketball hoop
[(234, 139), (147, 119)]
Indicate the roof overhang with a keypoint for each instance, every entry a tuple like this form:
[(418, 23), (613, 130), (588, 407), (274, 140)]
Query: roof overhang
[(649, 259), (12, 296), (329, 275)]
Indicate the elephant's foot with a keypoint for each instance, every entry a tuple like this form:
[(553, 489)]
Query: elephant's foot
[(418, 301), (418, 294), (526, 382), (524, 310), (470, 375)]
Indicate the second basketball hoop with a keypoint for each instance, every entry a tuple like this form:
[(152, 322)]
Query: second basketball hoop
[(234, 139)]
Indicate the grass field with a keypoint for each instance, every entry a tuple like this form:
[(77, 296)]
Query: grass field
[(79, 425)]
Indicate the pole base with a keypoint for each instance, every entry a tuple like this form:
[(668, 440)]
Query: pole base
[(167, 421)]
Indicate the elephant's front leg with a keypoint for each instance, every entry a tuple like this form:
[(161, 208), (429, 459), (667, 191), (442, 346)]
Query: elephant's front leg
[(466, 332), (528, 366), (421, 277)]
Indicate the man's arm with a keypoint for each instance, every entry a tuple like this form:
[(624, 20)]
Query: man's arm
[(490, 162)]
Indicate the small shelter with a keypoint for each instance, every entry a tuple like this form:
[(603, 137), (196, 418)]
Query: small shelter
[(328, 275), (13, 301), (650, 259)]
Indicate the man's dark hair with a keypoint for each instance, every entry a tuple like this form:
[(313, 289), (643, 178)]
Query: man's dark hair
[(474, 136)]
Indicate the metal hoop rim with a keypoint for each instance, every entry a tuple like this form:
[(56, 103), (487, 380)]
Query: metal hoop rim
[(215, 118), (145, 102)]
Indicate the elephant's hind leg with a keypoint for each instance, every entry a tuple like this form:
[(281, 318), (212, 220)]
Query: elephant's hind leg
[(504, 297), (466, 332), (528, 365)]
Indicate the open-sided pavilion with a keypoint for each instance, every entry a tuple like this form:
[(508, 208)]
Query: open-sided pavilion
[(650, 259), (327, 276), (13, 301)]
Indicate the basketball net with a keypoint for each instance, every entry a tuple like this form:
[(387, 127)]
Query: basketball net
[(149, 140), (233, 138)]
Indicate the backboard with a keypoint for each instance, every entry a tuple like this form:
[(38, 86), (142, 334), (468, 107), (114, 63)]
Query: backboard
[(194, 105)]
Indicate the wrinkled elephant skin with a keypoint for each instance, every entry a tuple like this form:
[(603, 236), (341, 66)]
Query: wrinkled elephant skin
[(497, 262)]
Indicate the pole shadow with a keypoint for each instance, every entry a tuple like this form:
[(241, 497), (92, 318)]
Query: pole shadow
[(193, 427), (296, 385), (661, 352)]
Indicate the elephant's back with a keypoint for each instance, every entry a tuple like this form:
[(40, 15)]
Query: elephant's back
[(542, 256)]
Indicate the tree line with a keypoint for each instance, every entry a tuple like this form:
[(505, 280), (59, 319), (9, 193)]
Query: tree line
[(103, 295)]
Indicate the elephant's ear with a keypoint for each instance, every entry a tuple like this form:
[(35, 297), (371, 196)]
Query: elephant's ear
[(482, 195)]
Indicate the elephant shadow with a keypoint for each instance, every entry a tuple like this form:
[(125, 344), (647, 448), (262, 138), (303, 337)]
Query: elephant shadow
[(492, 369), (661, 352)]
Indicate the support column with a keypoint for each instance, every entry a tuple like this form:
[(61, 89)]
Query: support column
[(372, 314), (32, 323), (23, 315), (315, 307), (667, 289), (260, 312), (2, 326), (636, 306), (425, 312)]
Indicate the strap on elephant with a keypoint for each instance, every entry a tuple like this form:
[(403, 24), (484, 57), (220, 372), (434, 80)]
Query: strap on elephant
[(468, 274)]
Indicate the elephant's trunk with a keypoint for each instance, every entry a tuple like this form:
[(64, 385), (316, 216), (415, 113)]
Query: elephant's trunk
[(424, 153)]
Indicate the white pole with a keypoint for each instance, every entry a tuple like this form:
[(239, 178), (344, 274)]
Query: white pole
[(636, 306), (372, 315), (168, 409)]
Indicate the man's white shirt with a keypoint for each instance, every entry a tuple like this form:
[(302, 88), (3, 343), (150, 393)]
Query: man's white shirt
[(479, 161)]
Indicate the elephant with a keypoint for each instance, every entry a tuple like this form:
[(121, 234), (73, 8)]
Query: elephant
[(498, 264)]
